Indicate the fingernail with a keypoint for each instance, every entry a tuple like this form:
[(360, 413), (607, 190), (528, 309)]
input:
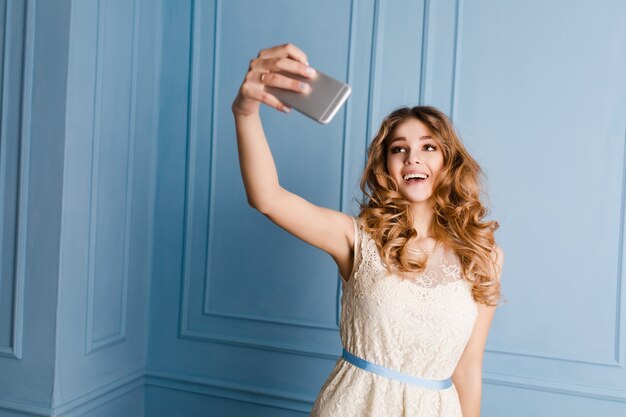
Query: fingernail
[(304, 86), (286, 109), (310, 71)]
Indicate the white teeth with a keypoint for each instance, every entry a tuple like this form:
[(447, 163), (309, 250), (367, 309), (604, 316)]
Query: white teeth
[(415, 175)]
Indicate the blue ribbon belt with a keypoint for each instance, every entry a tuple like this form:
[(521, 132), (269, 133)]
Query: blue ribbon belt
[(398, 376)]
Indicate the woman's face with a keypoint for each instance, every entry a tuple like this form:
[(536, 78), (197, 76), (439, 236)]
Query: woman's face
[(414, 159)]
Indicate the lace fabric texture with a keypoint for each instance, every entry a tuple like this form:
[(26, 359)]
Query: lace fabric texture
[(417, 325)]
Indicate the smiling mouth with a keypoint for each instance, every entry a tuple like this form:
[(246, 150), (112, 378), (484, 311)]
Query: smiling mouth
[(415, 178)]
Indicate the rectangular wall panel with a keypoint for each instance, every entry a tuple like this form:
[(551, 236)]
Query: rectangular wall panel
[(33, 85), (230, 248), (15, 89), (400, 30), (161, 402), (538, 94), (107, 201), (111, 174)]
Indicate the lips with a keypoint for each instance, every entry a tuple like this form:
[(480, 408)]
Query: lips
[(413, 177)]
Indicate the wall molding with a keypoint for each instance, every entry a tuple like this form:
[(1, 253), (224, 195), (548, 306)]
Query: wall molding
[(615, 362), (185, 332), (14, 350), (620, 293), (544, 356), (92, 343), (293, 349), (287, 400), (26, 409), (81, 404), (455, 55), (347, 122), (554, 387), (268, 397), (207, 311)]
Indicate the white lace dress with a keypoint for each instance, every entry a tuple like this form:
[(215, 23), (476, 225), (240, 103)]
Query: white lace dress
[(418, 327)]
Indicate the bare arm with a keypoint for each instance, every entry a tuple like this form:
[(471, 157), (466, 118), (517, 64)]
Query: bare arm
[(327, 229), (256, 163), (467, 376)]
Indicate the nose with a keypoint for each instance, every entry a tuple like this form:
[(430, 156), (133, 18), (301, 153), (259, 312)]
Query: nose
[(412, 157)]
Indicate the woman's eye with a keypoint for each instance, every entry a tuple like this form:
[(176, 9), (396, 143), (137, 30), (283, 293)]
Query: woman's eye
[(396, 149), (430, 147)]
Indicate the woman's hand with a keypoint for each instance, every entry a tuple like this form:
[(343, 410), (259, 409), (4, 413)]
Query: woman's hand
[(263, 72)]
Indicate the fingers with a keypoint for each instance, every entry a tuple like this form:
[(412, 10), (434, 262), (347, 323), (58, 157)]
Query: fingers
[(254, 88), (265, 97), (284, 64), (271, 100), (287, 49), (283, 58), (273, 79), (272, 67)]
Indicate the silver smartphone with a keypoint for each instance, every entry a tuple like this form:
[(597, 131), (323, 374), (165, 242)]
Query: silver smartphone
[(321, 102)]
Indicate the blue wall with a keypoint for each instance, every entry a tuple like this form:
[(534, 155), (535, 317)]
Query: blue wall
[(243, 311), (102, 315), (31, 181), (137, 281), (79, 122)]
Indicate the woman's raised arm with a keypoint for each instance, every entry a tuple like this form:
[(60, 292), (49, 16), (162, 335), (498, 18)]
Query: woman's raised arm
[(327, 229)]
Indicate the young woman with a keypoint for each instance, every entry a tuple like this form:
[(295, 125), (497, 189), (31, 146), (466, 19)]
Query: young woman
[(419, 265)]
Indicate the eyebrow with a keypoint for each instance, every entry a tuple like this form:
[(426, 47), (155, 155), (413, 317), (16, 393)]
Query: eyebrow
[(404, 139)]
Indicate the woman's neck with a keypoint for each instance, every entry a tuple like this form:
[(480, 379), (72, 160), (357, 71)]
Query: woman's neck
[(422, 219)]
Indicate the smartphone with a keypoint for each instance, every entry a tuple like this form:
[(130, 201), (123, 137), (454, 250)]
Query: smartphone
[(321, 102)]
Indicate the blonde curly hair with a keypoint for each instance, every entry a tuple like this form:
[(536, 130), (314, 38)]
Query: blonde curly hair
[(458, 218)]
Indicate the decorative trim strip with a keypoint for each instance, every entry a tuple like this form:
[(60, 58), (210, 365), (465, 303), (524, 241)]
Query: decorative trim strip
[(184, 331), (371, 103), (621, 275), (191, 123), (509, 352), (26, 409), (24, 180), (290, 401), (78, 406), (15, 350), (93, 208), (620, 291), (4, 109), (555, 387), (91, 343), (424, 56), (190, 165), (346, 134), (455, 64), (268, 397), (326, 353)]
